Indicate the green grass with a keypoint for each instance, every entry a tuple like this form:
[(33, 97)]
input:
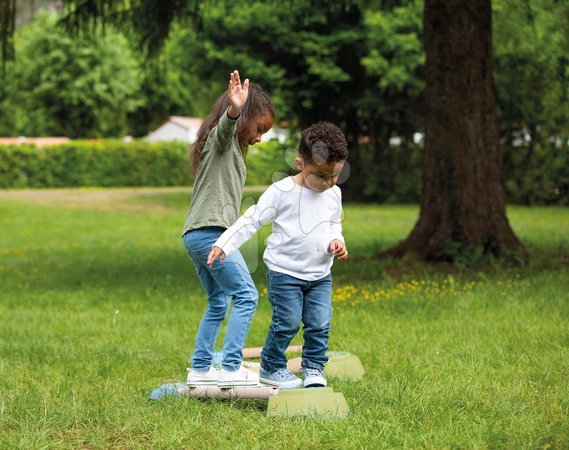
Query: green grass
[(98, 306)]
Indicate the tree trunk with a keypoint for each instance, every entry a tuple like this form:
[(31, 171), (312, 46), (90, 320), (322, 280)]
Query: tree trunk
[(463, 203)]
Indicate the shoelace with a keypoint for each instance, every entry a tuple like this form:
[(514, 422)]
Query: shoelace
[(282, 373), (312, 373)]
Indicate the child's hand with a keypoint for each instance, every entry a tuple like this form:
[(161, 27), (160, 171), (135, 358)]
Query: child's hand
[(339, 249), (237, 94), (215, 253)]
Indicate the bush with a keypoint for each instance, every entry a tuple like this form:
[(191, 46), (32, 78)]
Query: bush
[(116, 163), (266, 163), (536, 175), (397, 177), (103, 163)]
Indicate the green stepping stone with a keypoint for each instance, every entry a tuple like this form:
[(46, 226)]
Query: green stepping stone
[(344, 365), (312, 402)]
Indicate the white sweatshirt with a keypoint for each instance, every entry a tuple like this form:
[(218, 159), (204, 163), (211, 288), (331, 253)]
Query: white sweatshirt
[(304, 224)]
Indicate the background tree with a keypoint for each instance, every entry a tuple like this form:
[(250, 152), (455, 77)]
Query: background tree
[(62, 85), (532, 84), (463, 204)]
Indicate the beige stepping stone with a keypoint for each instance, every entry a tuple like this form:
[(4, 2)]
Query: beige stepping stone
[(311, 402), (344, 365)]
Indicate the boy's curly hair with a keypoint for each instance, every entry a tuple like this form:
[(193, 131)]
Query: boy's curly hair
[(322, 143)]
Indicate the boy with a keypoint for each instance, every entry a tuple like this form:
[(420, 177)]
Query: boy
[(306, 212)]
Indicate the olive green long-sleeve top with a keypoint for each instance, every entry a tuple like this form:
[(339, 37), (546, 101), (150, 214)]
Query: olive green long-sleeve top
[(218, 187)]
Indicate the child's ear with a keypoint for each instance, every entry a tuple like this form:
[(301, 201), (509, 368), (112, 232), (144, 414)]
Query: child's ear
[(299, 162)]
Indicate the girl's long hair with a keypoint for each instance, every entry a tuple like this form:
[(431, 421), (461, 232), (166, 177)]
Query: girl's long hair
[(257, 104)]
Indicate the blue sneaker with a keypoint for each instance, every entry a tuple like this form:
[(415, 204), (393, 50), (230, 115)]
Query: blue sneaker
[(314, 378), (281, 378)]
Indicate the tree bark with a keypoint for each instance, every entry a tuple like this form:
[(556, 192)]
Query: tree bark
[(463, 204)]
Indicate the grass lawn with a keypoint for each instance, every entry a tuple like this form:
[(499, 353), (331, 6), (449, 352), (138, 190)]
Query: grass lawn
[(99, 304)]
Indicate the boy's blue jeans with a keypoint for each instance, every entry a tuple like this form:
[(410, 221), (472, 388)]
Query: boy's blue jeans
[(294, 300), (222, 283)]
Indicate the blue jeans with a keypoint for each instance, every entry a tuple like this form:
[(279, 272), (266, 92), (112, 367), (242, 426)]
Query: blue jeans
[(222, 283), (294, 300)]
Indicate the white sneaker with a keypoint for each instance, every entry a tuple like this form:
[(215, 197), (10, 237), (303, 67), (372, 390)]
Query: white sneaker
[(314, 378), (197, 378), (239, 377)]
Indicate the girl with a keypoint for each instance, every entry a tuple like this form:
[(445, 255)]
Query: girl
[(238, 119)]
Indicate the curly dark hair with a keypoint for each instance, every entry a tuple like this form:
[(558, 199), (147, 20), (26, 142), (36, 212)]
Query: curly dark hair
[(323, 142)]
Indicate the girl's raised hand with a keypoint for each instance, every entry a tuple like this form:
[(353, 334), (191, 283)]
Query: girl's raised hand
[(237, 94)]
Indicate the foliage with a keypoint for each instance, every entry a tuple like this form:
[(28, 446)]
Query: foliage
[(149, 20), (266, 163), (116, 163), (107, 163), (532, 80), (532, 70), (325, 63), (7, 28), (397, 177), (64, 85), (177, 81), (395, 59), (538, 175)]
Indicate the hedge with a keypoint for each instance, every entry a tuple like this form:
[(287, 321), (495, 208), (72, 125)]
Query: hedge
[(536, 175), (116, 163)]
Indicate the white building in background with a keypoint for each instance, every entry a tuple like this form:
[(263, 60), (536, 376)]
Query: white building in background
[(280, 134), (177, 128), (185, 129)]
